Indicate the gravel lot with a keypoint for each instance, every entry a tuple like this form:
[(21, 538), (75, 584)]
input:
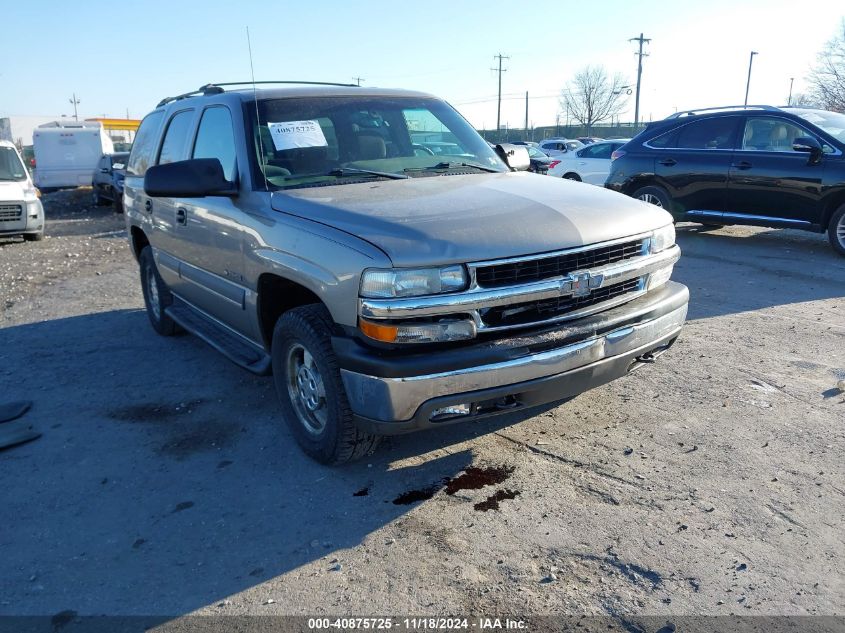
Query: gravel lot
[(165, 483)]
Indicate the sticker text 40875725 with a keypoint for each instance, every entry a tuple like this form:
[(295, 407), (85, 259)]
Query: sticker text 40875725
[(294, 134)]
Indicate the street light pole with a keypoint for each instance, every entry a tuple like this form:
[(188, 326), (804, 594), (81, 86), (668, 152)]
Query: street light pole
[(789, 100), (748, 83)]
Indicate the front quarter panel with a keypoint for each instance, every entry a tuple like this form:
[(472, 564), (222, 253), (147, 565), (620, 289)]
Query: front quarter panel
[(324, 260)]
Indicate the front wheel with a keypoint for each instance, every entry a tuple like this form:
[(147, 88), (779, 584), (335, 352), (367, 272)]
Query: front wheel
[(836, 230), (310, 389), (96, 199), (657, 196), (156, 294), (34, 237)]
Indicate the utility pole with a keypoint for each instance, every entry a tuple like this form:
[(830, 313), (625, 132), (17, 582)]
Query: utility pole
[(748, 83), (499, 102), (358, 80), (526, 115), (789, 100), (642, 40), (75, 102)]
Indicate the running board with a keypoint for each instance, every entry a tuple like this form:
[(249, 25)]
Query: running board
[(221, 338), (749, 218)]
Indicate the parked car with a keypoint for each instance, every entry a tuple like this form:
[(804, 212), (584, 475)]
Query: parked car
[(526, 143), (67, 153), (388, 291), (589, 164), (760, 165), (560, 146), (540, 163), (107, 186), (21, 212), (589, 140)]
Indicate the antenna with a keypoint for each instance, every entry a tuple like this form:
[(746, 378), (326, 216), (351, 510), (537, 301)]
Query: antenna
[(257, 119)]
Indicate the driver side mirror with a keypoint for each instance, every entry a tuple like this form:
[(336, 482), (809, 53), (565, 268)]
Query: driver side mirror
[(809, 145), (515, 156), (194, 178)]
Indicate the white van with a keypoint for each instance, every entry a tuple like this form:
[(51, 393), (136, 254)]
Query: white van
[(67, 153), (21, 212)]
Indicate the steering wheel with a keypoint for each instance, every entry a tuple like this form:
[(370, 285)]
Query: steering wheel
[(422, 148)]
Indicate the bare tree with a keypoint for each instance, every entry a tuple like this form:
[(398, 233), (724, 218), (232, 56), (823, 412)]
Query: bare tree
[(827, 78), (804, 100), (592, 96)]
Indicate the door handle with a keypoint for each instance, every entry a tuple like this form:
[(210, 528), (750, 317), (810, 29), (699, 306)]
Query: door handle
[(743, 164), (181, 216), (668, 162), (148, 205)]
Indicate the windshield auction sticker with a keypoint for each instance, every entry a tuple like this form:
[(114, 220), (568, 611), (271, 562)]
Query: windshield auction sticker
[(293, 134)]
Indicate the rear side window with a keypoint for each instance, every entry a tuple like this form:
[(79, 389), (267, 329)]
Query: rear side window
[(215, 139), (144, 145), (176, 137), (715, 133), (600, 150)]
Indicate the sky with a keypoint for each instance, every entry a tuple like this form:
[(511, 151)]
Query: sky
[(120, 57)]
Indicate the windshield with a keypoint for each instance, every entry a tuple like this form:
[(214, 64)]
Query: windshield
[(314, 141), (533, 152), (830, 122), (11, 167)]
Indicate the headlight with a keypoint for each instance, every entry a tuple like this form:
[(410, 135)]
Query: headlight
[(663, 238), (398, 282)]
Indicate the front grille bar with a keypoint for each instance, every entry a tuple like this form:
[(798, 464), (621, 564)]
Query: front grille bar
[(477, 298)]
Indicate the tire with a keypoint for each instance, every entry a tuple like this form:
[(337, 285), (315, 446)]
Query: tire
[(156, 294), (572, 176), (310, 390), (657, 196), (836, 230), (34, 237), (97, 199)]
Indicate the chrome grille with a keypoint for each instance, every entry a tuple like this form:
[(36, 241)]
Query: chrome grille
[(550, 309), (10, 212), (536, 269)]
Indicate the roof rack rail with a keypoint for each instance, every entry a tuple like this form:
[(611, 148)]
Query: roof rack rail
[(678, 115), (216, 88)]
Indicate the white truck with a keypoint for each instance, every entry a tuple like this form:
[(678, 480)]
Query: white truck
[(67, 153)]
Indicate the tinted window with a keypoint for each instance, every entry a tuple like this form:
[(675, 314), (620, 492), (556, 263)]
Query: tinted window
[(176, 137), (144, 146), (215, 139), (601, 150), (715, 133)]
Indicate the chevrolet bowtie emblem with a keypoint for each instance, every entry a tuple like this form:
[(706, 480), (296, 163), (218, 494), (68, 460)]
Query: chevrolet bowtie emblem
[(581, 283)]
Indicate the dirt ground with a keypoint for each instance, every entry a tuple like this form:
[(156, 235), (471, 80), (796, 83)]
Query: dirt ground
[(165, 482)]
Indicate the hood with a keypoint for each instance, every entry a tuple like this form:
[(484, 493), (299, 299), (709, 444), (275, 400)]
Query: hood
[(457, 219), (12, 191)]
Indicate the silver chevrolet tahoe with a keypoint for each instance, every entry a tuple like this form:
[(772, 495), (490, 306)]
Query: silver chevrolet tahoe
[(389, 268)]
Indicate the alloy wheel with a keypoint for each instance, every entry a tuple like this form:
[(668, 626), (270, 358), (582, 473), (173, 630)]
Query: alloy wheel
[(306, 389)]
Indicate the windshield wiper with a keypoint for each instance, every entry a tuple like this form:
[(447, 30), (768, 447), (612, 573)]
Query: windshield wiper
[(454, 165), (341, 172)]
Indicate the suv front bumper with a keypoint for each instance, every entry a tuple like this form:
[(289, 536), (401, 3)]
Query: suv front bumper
[(502, 375)]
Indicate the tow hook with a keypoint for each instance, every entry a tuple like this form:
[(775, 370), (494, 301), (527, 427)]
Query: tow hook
[(648, 357)]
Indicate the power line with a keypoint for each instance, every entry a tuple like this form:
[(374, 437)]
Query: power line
[(499, 102), (642, 40), (358, 80)]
